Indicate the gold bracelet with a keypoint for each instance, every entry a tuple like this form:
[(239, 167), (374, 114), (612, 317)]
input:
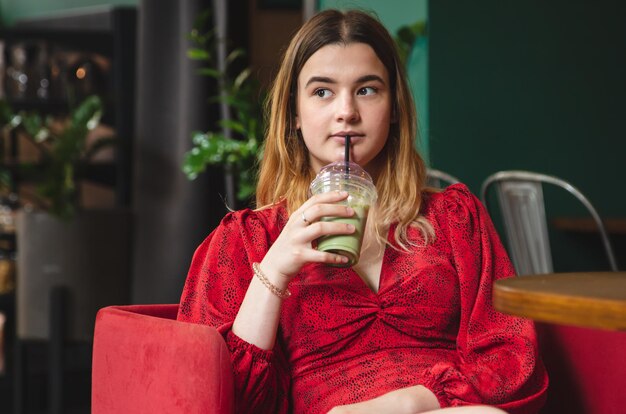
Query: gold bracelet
[(278, 292)]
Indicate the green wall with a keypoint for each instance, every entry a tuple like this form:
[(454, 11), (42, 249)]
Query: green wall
[(395, 14), (532, 85), (12, 10)]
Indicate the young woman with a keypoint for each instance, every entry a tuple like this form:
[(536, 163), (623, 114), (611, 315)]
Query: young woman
[(410, 328)]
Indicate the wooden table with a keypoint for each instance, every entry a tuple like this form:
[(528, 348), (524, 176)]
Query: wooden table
[(588, 225), (589, 299)]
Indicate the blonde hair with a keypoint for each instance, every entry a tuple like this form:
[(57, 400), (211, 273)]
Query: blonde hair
[(285, 172)]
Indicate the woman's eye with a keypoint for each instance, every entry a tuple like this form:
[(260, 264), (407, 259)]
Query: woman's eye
[(367, 90), (322, 93)]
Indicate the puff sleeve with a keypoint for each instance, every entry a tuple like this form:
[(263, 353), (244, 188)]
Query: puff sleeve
[(499, 361), (216, 283)]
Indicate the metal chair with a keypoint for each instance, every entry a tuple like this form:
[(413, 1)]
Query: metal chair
[(439, 179), (522, 206)]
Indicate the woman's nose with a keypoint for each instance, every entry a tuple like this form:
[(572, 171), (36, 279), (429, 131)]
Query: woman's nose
[(347, 110)]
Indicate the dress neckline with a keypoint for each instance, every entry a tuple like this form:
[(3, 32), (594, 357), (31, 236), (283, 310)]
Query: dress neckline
[(381, 276)]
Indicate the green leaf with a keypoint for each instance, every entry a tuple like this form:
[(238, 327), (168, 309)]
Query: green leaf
[(198, 137), (242, 77), (42, 135), (234, 125), (234, 55), (198, 54), (88, 113), (213, 73), (406, 37), (6, 114), (5, 179), (32, 123)]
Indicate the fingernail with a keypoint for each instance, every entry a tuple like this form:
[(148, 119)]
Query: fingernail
[(350, 227), (349, 210)]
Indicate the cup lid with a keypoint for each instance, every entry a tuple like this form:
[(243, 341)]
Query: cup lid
[(339, 169)]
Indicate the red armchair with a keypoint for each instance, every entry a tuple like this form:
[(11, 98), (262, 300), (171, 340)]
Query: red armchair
[(144, 361)]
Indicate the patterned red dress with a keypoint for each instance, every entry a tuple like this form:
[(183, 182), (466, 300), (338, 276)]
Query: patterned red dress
[(431, 323)]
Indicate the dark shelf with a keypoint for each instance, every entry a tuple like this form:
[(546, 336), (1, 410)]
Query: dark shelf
[(109, 32), (57, 107), (84, 40), (7, 236), (99, 172)]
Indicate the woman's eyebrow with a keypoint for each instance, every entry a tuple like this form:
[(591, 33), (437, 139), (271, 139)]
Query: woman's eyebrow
[(321, 79), (369, 78), (362, 79)]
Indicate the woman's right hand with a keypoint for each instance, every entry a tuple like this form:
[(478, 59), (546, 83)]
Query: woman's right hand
[(258, 316), (294, 246)]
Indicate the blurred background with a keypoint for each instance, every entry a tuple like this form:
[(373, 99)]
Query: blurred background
[(526, 85)]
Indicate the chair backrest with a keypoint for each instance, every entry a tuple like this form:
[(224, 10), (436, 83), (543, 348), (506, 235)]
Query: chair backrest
[(520, 194), (439, 179), (145, 361)]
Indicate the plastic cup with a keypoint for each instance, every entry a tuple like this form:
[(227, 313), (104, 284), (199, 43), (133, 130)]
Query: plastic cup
[(341, 176)]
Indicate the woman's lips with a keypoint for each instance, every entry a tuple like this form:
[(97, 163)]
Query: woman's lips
[(342, 138)]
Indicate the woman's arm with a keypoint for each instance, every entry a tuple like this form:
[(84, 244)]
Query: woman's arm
[(499, 362), (259, 314), (221, 291)]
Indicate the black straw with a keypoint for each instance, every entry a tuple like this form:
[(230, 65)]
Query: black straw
[(346, 156)]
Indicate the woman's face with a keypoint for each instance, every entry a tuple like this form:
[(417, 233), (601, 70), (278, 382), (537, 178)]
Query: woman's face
[(343, 90)]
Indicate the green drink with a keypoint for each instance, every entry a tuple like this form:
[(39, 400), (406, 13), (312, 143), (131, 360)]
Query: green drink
[(341, 176), (348, 245)]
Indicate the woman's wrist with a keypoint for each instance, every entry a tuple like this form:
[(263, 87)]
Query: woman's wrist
[(281, 292), (275, 277), (258, 316)]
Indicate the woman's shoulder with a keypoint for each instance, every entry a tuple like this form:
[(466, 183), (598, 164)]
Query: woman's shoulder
[(456, 201), (269, 219), (454, 193)]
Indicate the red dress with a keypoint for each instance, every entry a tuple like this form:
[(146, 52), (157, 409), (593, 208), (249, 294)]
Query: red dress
[(431, 323)]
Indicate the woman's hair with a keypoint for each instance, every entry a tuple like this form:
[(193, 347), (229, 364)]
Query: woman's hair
[(285, 172)]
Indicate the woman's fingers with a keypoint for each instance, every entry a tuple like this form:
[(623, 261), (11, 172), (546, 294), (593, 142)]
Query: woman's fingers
[(318, 211), (309, 255), (323, 228), (330, 197), (294, 246), (323, 205)]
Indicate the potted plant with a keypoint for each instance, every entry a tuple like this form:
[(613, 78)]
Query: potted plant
[(59, 243), (235, 142), (64, 153)]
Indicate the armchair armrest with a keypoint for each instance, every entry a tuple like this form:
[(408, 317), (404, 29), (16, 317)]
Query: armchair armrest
[(144, 361)]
